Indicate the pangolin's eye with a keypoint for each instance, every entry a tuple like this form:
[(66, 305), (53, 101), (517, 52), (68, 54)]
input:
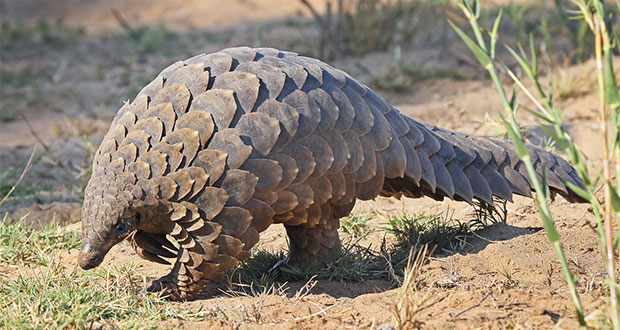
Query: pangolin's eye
[(138, 217), (121, 227)]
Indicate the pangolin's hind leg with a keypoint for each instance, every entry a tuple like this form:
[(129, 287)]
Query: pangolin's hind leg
[(313, 246)]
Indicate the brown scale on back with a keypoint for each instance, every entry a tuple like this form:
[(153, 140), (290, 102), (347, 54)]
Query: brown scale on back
[(220, 146)]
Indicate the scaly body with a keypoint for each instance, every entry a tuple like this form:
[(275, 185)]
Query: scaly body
[(219, 147)]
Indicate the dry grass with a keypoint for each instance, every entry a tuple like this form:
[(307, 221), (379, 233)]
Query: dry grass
[(409, 300)]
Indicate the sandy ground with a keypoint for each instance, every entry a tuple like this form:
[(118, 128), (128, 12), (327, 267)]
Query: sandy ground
[(463, 286)]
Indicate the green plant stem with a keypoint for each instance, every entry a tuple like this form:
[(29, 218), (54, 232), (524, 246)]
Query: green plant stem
[(517, 138), (601, 40)]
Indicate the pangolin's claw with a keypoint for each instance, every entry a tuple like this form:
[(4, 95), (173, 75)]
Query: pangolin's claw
[(167, 289)]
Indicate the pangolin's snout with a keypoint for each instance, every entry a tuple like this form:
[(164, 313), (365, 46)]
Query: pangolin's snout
[(88, 259)]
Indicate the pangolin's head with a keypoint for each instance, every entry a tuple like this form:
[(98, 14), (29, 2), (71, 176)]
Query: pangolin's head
[(110, 212)]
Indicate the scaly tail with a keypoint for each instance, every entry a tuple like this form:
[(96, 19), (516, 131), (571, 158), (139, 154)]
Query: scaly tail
[(441, 163)]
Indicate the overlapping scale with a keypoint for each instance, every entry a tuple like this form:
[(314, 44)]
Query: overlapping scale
[(356, 152), (116, 133), (228, 141), (262, 214), (328, 109), (363, 120), (346, 112), (321, 153), (199, 178), (287, 117), (199, 121), (262, 130), (239, 186), (309, 113), (293, 71), (268, 172), (370, 189), (178, 95), (173, 154), (164, 112), (244, 85), (213, 162), (340, 152), (285, 202), (156, 161), (152, 88), (369, 161), (304, 159), (304, 194), (220, 103), (194, 76), (289, 169), (211, 201), (228, 245), (188, 138), (241, 54), (139, 139), (234, 220), (394, 158), (218, 63), (271, 77), (140, 169)]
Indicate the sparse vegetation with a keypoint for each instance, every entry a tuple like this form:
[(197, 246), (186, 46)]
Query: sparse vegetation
[(358, 262), (21, 245), (10, 178), (12, 33), (360, 26), (356, 225), (18, 89), (56, 298), (427, 229), (409, 301), (485, 214)]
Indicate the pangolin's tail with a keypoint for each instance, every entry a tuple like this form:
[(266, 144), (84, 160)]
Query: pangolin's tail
[(441, 163)]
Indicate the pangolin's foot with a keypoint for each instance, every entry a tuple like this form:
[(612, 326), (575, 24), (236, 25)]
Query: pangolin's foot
[(168, 288)]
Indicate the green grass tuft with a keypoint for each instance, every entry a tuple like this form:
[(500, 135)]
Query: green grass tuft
[(356, 225), (21, 245), (420, 228)]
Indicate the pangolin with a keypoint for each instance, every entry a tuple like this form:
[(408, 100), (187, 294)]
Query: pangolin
[(221, 146)]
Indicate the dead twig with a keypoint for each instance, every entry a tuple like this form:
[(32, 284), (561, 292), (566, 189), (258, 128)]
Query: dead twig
[(314, 12), (34, 133), (591, 283), (480, 237), (305, 290), (21, 177), (123, 22)]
